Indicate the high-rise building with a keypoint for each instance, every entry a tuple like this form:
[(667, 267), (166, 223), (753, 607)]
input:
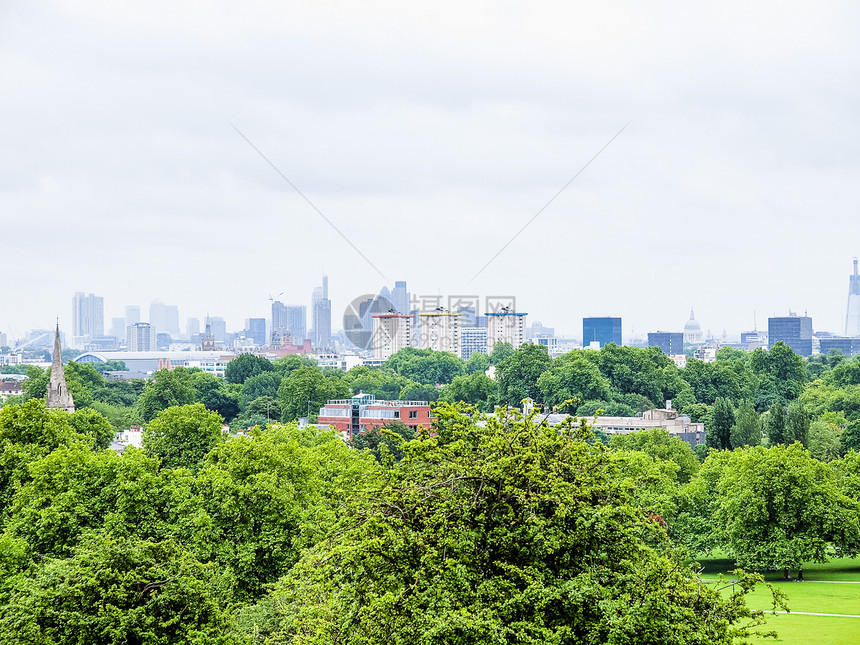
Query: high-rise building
[(321, 313), (256, 331), (671, 342), (391, 333), (165, 318), (217, 326), (192, 327), (117, 328), (795, 331), (88, 316), (852, 315), (289, 319), (141, 337), (473, 340), (132, 315), (601, 330), (440, 331), (400, 297), (505, 326)]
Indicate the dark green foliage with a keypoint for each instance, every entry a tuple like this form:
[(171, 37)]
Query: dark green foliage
[(719, 429), (182, 435), (747, 430), (478, 363), (216, 395), (305, 390), (498, 531), (500, 352), (244, 366), (572, 378), (115, 591), (518, 374), (384, 441), (797, 423), (95, 425), (265, 384), (850, 438), (661, 446), (475, 389), (426, 366), (775, 425), (166, 388)]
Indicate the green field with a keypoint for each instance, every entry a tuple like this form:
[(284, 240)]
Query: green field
[(827, 589)]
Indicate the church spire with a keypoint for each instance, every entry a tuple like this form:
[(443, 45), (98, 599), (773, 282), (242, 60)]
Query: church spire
[(59, 396)]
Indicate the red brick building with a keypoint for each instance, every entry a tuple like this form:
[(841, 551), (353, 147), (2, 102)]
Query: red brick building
[(364, 412)]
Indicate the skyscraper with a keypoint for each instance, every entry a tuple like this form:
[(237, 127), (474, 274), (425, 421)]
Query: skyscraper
[(256, 330), (321, 312), (671, 342), (505, 326), (440, 331), (852, 315), (601, 331), (400, 297), (140, 337), (88, 316), (391, 333), (132, 315), (793, 330)]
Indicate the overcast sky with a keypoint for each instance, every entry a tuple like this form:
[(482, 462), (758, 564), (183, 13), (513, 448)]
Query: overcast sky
[(429, 134)]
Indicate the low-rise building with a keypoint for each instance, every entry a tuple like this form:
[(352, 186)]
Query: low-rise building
[(364, 412)]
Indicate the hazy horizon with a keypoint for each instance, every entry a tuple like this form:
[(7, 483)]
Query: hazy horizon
[(429, 135)]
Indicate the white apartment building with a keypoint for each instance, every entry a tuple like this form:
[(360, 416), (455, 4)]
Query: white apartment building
[(440, 331), (505, 327), (391, 333)]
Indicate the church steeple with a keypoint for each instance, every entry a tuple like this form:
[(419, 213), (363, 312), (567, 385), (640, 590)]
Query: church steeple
[(59, 396)]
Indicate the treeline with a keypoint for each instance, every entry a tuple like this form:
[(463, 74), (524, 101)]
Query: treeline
[(744, 398), (489, 529)]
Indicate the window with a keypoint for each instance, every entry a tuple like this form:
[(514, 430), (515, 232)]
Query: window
[(413, 427), (397, 414), (428, 413), (413, 414)]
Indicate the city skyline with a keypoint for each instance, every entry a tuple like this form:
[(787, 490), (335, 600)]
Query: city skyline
[(439, 135)]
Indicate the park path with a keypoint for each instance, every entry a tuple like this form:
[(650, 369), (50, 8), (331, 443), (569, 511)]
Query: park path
[(815, 613)]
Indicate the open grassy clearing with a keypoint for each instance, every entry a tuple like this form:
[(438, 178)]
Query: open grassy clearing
[(822, 591)]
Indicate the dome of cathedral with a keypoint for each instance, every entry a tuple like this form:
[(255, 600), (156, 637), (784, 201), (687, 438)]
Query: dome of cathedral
[(693, 330)]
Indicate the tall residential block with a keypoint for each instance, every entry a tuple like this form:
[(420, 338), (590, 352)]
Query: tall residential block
[(391, 333), (440, 331), (794, 331), (140, 337), (505, 326), (601, 330)]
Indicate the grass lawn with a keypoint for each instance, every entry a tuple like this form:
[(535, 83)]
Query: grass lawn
[(827, 596)]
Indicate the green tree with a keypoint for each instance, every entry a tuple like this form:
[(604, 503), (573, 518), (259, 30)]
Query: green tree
[(850, 438), (90, 422), (719, 430), (305, 390), (265, 384), (166, 388), (775, 425), (824, 442), (518, 374), (426, 366), (118, 590), (500, 352), (244, 366), (747, 430), (382, 383), (572, 378), (270, 494), (384, 441), (217, 396), (478, 362), (499, 530), (182, 435), (476, 389), (780, 507), (658, 444), (797, 423)]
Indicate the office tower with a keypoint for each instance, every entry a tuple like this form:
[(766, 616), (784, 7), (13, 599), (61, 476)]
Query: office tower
[(321, 313), (852, 316), (391, 333), (256, 331), (505, 326), (132, 315), (217, 328), (117, 328), (3, 340), (400, 297), (795, 331), (140, 337), (672, 343), (297, 317), (601, 330), (473, 340), (440, 331), (59, 396), (88, 316), (192, 327), (165, 318)]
